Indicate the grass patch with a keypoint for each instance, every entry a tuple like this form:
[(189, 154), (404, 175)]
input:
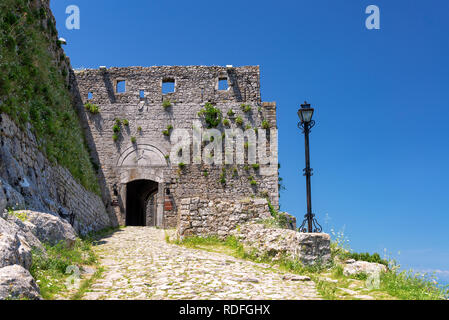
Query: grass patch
[(246, 108), (223, 176), (167, 131), (166, 104), (252, 181), (406, 285), (337, 271), (265, 125), (86, 284), (346, 253), (49, 270), (403, 285), (21, 215), (92, 108), (239, 121), (233, 247), (116, 128), (393, 284), (327, 290), (97, 235), (280, 219)]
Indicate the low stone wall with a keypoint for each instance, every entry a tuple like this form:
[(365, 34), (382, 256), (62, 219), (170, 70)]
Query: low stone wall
[(202, 217), (29, 181), (309, 248)]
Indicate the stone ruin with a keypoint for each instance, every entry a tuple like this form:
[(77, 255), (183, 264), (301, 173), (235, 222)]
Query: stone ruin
[(129, 136)]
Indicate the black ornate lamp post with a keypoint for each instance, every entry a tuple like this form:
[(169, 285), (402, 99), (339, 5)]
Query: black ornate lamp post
[(305, 114)]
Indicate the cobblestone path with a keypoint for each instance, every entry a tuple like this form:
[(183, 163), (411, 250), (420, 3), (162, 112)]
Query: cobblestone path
[(140, 264)]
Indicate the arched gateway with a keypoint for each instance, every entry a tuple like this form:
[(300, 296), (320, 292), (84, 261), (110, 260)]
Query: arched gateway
[(141, 171), (141, 203)]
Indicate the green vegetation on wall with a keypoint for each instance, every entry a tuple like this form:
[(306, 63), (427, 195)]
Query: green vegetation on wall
[(92, 108), (166, 104), (212, 115), (33, 88)]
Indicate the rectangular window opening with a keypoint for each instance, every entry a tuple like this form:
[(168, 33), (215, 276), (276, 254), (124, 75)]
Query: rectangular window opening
[(121, 86), (223, 84), (90, 96), (168, 86)]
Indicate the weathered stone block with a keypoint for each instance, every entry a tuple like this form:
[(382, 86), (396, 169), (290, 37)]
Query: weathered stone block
[(17, 283), (309, 248), (353, 267), (50, 229), (13, 247), (22, 228)]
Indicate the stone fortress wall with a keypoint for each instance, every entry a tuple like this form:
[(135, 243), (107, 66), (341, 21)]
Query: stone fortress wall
[(29, 181), (141, 151)]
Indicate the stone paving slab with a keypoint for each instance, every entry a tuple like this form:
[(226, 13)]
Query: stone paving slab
[(141, 265)]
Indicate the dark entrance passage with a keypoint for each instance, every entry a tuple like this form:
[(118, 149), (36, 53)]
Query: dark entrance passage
[(141, 200)]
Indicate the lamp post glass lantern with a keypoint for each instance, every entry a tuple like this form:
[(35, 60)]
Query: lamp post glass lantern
[(305, 114)]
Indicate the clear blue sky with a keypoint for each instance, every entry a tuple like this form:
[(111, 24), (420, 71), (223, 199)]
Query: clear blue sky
[(380, 149)]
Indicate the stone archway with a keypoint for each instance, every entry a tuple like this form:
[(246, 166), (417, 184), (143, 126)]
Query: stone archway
[(141, 176), (142, 155)]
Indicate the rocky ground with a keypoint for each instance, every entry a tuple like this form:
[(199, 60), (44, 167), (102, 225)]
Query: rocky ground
[(20, 232), (140, 264)]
